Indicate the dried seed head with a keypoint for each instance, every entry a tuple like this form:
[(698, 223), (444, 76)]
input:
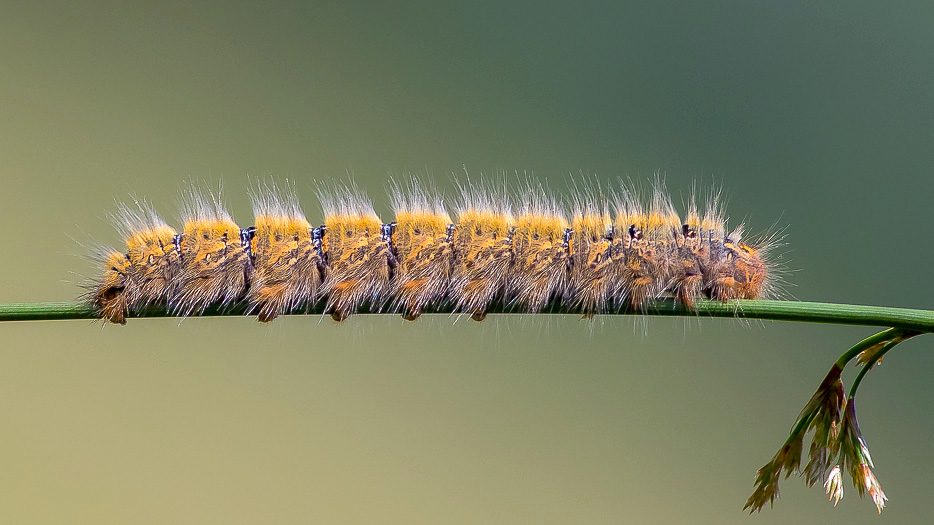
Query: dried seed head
[(834, 485)]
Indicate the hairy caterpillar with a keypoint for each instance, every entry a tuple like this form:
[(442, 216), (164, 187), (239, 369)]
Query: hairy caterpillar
[(615, 250)]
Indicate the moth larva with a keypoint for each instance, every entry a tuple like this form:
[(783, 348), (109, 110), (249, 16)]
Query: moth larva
[(614, 252)]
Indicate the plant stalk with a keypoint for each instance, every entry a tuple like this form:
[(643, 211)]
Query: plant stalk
[(809, 312)]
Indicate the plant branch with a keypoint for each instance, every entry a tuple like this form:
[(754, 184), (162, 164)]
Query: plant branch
[(810, 312)]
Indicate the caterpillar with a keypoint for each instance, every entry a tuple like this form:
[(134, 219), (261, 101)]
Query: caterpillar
[(615, 249)]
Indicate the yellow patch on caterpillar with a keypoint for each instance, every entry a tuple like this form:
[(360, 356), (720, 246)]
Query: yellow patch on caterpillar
[(589, 226), (625, 219), (271, 225), (692, 220), (211, 230), (483, 223), (541, 227), (662, 221), (161, 237), (434, 221), (695, 222)]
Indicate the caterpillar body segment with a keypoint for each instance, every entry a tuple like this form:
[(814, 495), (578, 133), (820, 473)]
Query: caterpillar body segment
[(692, 258), (357, 251), (616, 252), (482, 243), (646, 245), (153, 262), (215, 256), (422, 243), (593, 279), (287, 254), (541, 252), (146, 272), (152, 254), (715, 263), (750, 271), (702, 239)]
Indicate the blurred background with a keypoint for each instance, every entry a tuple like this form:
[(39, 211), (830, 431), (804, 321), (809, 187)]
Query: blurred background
[(813, 117)]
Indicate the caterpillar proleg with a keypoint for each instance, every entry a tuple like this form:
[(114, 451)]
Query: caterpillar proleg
[(617, 249)]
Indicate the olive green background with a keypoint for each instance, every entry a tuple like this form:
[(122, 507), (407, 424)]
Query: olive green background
[(817, 118)]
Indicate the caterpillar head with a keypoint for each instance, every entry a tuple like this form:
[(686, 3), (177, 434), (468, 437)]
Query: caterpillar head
[(109, 297), (750, 272)]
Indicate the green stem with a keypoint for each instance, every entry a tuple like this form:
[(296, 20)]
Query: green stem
[(848, 314)]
